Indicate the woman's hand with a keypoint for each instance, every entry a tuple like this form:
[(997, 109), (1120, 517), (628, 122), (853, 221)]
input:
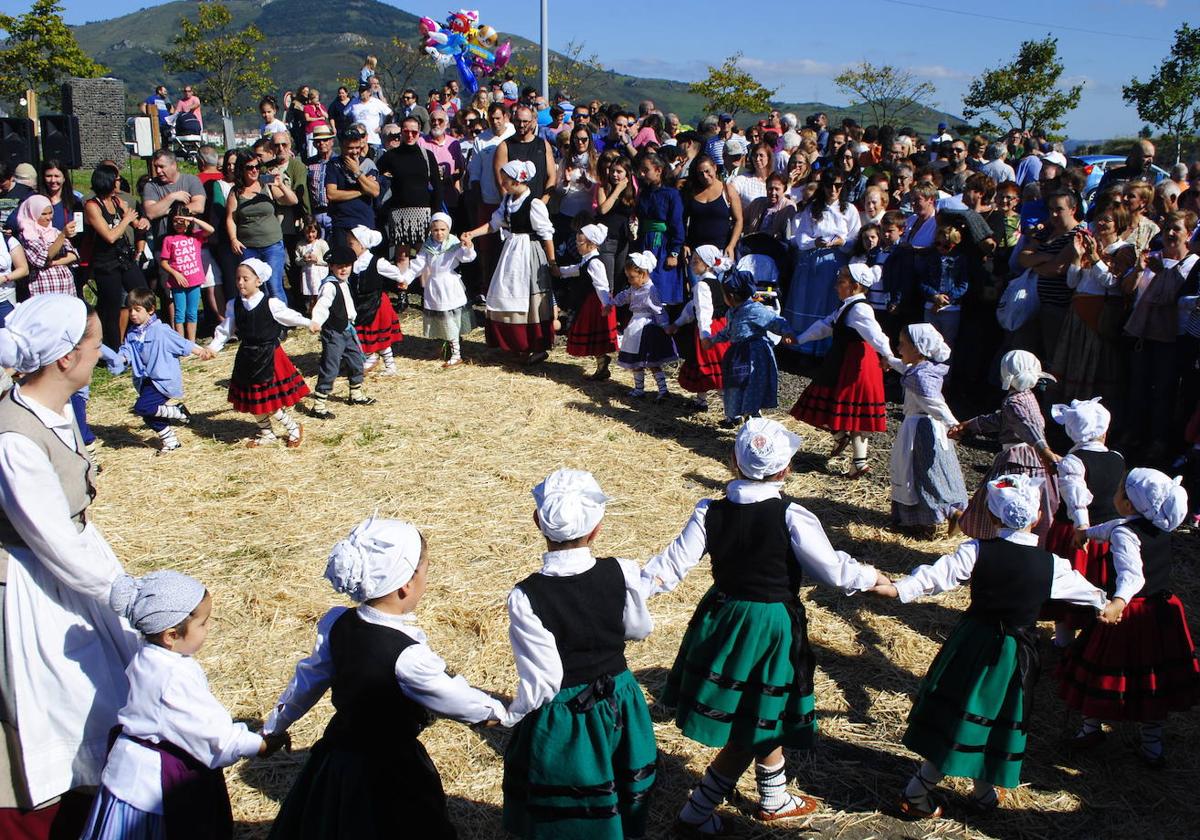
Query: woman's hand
[(69, 229), (956, 432), (236, 246), (672, 262)]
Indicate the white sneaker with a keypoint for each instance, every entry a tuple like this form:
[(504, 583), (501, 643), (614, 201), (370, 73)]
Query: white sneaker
[(388, 370)]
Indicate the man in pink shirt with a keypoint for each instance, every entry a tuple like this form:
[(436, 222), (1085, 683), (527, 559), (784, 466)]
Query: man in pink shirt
[(447, 152), (187, 108)]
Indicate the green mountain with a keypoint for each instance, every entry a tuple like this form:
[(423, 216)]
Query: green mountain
[(319, 43)]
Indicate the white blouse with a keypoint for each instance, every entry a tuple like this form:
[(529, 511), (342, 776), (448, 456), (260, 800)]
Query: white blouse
[(329, 286), (539, 217), (420, 673), (279, 309), (170, 701), (861, 319), (1126, 553), (953, 570), (810, 545), (804, 230), (595, 272), (1072, 483), (442, 287), (699, 309), (539, 667)]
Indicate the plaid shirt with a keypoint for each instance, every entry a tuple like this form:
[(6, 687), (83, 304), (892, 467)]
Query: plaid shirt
[(45, 278)]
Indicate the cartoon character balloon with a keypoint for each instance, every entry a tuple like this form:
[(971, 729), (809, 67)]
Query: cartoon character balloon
[(473, 48)]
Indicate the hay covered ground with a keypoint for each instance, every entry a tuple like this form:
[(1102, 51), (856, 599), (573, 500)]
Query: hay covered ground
[(456, 452)]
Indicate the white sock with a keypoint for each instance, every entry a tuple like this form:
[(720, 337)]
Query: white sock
[(169, 441), (455, 350), (660, 379), (265, 432), (639, 380), (705, 798), (288, 422), (922, 784), (169, 411), (858, 449), (389, 361), (772, 788), (370, 361)]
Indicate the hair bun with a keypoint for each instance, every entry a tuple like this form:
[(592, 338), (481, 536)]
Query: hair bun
[(123, 595)]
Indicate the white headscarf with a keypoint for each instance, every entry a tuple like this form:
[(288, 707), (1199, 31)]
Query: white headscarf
[(645, 260), (1015, 500), (379, 557), (570, 504), (714, 258), (1158, 498), (1085, 420), (444, 218), (863, 275), (1020, 370), (596, 234), (764, 448), (929, 342), (366, 237), (41, 330), (157, 601), (519, 170), (260, 269)]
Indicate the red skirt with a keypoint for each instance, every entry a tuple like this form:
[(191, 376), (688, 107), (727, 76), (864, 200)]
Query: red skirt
[(285, 389), (594, 331), (1141, 669), (1088, 561), (384, 329), (855, 403), (519, 337), (702, 371)]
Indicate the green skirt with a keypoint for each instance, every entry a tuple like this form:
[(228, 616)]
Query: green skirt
[(969, 715), (743, 675), (582, 765)]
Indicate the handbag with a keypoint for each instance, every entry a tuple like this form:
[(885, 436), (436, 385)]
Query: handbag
[(1019, 302)]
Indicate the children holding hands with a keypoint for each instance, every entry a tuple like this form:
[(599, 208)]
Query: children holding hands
[(446, 314)]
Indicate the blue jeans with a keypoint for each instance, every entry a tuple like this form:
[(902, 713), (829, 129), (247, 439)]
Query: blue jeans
[(187, 304), (5, 308), (274, 256)]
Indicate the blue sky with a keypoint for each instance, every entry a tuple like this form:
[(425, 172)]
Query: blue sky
[(801, 46)]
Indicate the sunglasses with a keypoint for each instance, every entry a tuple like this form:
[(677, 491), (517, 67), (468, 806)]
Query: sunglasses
[(411, 132), (250, 166)]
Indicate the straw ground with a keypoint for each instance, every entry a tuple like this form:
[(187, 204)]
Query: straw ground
[(456, 452)]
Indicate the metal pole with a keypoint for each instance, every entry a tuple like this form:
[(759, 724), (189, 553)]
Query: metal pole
[(545, 49)]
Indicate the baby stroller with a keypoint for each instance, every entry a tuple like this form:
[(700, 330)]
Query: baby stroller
[(766, 278), (186, 136)]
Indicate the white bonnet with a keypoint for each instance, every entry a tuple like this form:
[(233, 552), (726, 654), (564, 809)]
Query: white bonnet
[(764, 448), (379, 557), (1085, 420), (570, 504), (1015, 500), (41, 330), (1157, 497), (929, 342)]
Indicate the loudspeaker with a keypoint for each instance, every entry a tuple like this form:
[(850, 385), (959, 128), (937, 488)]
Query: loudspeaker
[(60, 140), (17, 143)]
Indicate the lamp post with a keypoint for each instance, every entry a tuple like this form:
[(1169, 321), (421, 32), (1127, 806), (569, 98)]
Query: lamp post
[(545, 49)]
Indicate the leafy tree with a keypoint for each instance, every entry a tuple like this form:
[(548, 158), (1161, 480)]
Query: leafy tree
[(399, 63), (729, 89), (1024, 93), (231, 68), (40, 51), (890, 93), (1170, 98), (571, 69)]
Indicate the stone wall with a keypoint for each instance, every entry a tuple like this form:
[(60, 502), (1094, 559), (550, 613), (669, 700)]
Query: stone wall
[(100, 106)]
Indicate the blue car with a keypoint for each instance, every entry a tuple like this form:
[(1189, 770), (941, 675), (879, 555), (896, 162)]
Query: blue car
[(1096, 165)]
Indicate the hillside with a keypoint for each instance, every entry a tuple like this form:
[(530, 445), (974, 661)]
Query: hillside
[(317, 42)]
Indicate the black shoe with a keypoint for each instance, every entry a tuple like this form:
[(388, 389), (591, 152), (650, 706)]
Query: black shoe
[(321, 412), (363, 400), (187, 415)]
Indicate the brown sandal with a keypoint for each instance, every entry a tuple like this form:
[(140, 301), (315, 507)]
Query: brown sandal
[(910, 811), (806, 805)]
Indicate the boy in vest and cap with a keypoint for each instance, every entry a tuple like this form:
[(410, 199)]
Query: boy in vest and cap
[(743, 678), (970, 717), (582, 757), (333, 317)]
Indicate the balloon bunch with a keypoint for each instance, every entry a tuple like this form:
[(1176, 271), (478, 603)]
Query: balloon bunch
[(474, 49)]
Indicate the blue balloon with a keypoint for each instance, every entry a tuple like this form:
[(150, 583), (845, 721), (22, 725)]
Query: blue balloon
[(465, 75)]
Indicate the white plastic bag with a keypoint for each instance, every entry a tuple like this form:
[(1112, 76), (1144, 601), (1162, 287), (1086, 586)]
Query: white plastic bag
[(1019, 302)]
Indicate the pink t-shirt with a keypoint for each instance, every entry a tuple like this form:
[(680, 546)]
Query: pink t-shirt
[(186, 104), (182, 253)]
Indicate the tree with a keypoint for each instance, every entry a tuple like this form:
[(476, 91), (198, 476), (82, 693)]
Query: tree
[(40, 51), (231, 69), (890, 93), (399, 63), (728, 89), (1170, 98), (1024, 93), (570, 70)]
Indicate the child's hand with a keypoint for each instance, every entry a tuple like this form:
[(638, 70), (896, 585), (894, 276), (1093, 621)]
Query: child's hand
[(314, 327), (957, 432), (789, 340), (1111, 614), (885, 590), (205, 354), (274, 743), (1081, 537), (555, 271)]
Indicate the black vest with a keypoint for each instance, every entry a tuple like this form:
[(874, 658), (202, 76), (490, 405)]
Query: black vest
[(338, 320), (1103, 472), (720, 307), (586, 615), (1156, 560), (751, 550), (370, 708), (258, 333), (365, 287), (532, 151), (1010, 582), (843, 337), (518, 220)]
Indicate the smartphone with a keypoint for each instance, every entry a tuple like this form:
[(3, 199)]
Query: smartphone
[(77, 217), (266, 178)]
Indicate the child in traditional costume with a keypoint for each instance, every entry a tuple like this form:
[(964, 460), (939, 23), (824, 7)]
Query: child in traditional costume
[(1021, 429), (163, 775), (445, 313), (264, 382), (701, 368), (749, 372), (645, 345), (369, 777), (333, 318), (581, 761), (594, 330), (742, 680), (375, 319), (1138, 663), (1089, 476), (927, 481), (520, 302), (971, 714), (846, 395)]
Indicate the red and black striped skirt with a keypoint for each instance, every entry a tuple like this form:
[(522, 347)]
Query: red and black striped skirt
[(384, 329), (286, 388), (855, 402), (701, 371), (594, 331)]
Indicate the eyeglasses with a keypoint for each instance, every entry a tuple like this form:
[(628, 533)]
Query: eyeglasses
[(579, 116), (250, 166), (582, 138), (410, 132), (392, 135)]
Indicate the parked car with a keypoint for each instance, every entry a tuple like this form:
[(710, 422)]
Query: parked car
[(1096, 165)]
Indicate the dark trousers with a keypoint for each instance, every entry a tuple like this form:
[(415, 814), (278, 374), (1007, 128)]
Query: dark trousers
[(112, 284), (1152, 381), (146, 407), (339, 350)]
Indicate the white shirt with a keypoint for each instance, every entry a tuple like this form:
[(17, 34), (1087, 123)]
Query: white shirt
[(596, 274), (699, 309), (8, 288), (539, 217), (748, 188), (479, 167), (279, 309), (273, 127), (804, 230), (953, 570), (861, 319), (1094, 280), (371, 114), (441, 285), (1126, 549), (810, 545), (170, 701), (539, 666), (1072, 483), (998, 171), (420, 673), (325, 297)]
